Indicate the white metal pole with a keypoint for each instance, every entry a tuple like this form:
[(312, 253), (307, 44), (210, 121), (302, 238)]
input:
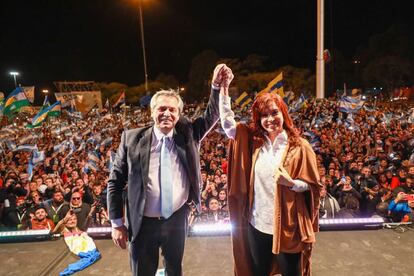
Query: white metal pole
[(320, 64), (141, 21)]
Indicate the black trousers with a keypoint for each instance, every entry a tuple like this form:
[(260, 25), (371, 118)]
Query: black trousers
[(261, 251), (169, 235)]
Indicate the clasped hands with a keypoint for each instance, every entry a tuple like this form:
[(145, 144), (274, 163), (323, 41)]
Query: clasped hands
[(222, 77)]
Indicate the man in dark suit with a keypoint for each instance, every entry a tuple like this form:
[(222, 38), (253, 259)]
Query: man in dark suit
[(161, 165)]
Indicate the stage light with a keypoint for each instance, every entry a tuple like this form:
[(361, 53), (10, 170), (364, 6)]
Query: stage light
[(351, 223), (211, 229), (24, 236)]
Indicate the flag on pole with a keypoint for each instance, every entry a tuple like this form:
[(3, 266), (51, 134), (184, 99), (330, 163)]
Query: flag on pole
[(243, 100), (39, 118), (55, 109), (121, 100), (16, 100), (275, 86), (350, 104)]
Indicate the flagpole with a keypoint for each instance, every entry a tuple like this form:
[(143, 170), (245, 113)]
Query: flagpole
[(320, 65), (141, 21)]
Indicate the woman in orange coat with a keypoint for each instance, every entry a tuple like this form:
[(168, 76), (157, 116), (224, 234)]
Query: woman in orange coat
[(273, 189)]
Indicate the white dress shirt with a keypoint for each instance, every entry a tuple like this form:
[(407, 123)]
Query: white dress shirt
[(180, 182), (181, 186), (269, 158)]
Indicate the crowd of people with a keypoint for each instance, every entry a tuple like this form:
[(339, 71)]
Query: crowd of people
[(47, 174)]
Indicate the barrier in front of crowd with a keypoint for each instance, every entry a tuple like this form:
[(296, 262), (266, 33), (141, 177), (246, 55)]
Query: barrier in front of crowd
[(202, 229)]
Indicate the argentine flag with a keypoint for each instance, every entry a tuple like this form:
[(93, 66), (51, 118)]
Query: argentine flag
[(350, 104), (82, 245)]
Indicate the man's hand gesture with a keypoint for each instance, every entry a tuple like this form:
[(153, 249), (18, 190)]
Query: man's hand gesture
[(222, 78)]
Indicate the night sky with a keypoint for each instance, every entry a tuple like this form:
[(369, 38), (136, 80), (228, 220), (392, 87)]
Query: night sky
[(47, 40)]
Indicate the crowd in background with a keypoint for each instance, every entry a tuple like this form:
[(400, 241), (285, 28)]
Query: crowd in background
[(365, 161)]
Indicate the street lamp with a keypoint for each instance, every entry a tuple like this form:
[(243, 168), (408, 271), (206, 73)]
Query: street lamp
[(14, 74), (141, 21), (45, 91)]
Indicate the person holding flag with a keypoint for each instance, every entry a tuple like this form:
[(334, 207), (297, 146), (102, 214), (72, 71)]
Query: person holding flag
[(78, 242)]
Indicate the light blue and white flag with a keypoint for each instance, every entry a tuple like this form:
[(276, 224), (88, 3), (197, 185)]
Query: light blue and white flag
[(27, 138), (80, 244), (30, 167), (26, 147), (93, 157), (60, 147), (298, 104), (72, 148), (38, 156), (350, 104)]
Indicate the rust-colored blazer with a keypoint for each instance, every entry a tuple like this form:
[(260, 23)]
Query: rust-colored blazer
[(296, 214)]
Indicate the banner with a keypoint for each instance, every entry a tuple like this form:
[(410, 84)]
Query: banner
[(84, 101)]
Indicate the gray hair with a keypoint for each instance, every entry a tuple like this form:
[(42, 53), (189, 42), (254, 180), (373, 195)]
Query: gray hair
[(167, 93)]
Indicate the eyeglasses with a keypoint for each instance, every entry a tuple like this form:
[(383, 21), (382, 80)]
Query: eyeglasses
[(76, 198)]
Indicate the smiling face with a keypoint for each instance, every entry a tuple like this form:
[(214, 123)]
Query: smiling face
[(166, 113), (213, 204), (271, 119)]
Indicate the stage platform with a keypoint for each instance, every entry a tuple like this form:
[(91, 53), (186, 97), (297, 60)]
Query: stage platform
[(370, 252)]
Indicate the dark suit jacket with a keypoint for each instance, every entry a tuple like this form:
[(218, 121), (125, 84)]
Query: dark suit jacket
[(132, 164)]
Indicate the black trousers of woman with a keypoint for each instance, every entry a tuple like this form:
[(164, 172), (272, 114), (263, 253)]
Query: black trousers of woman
[(261, 250)]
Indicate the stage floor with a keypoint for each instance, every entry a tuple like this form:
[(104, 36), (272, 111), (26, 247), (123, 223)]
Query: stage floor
[(371, 252)]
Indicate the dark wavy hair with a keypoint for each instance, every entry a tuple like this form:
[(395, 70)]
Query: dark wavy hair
[(259, 107)]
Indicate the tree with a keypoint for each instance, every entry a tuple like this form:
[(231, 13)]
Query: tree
[(251, 64), (388, 59), (388, 71), (201, 70), (108, 90), (168, 80)]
